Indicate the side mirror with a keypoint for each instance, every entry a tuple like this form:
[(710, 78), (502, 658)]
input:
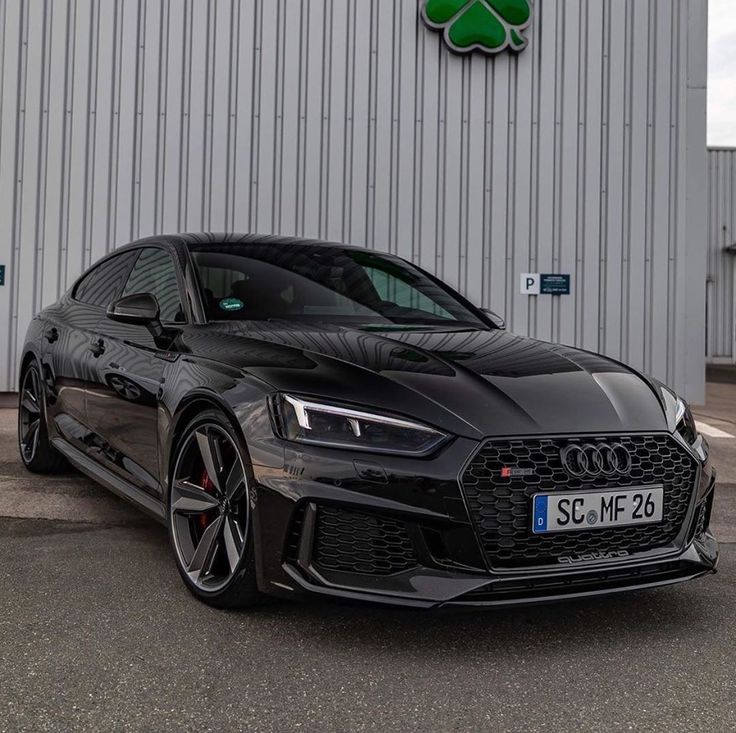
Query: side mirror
[(494, 318), (141, 309)]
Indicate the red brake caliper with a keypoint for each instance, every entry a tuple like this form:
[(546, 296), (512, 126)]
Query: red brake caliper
[(209, 487)]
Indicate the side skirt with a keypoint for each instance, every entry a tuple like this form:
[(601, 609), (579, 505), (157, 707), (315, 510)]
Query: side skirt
[(109, 480)]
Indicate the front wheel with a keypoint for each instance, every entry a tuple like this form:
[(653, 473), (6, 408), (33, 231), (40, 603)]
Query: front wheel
[(210, 513), (36, 451)]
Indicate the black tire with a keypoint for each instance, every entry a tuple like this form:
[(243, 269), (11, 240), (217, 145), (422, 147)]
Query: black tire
[(36, 451), (222, 575)]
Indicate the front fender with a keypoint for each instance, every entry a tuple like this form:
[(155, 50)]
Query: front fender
[(191, 386)]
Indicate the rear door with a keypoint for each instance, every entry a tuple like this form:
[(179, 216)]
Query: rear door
[(69, 339), (128, 374)]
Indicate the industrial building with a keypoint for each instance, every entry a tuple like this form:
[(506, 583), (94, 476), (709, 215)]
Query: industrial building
[(721, 308), (570, 143)]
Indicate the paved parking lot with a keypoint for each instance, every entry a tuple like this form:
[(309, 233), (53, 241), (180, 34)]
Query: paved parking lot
[(98, 633)]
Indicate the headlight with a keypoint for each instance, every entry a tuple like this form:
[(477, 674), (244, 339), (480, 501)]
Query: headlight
[(678, 410), (685, 422), (319, 423)]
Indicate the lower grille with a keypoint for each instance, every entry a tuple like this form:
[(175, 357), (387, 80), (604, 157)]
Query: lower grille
[(501, 506), (354, 542)]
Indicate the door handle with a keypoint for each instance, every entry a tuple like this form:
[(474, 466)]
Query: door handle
[(52, 335), (97, 348)]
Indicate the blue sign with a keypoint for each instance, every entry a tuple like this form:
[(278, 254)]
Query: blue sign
[(2, 274), (540, 514), (554, 284)]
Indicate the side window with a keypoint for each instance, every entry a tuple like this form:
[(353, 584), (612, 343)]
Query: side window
[(154, 272), (103, 283)]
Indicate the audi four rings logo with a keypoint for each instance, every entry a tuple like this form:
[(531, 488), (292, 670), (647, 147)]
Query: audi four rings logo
[(593, 460)]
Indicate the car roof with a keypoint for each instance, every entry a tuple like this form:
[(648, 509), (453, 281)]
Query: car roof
[(192, 239)]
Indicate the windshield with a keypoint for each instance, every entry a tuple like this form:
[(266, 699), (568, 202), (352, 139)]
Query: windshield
[(325, 283)]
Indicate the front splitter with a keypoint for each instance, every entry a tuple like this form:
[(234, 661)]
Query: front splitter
[(430, 588)]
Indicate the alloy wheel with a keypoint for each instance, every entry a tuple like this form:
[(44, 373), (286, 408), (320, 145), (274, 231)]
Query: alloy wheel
[(29, 416), (209, 507)]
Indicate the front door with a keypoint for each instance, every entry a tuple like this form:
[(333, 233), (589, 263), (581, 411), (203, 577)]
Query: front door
[(128, 374)]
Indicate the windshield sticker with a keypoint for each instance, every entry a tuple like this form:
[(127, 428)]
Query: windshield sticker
[(231, 304)]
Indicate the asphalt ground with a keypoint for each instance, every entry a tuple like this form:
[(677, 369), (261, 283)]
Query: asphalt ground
[(98, 633)]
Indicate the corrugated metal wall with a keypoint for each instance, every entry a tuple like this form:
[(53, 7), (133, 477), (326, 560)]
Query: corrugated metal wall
[(349, 120), (721, 234)]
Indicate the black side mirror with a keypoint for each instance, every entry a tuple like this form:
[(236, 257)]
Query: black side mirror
[(141, 309), (494, 318)]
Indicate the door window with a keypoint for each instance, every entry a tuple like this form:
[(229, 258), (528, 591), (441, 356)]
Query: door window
[(154, 272), (102, 285)]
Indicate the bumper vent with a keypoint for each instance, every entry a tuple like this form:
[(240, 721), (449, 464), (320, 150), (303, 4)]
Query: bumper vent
[(501, 507), (702, 517), (354, 542)]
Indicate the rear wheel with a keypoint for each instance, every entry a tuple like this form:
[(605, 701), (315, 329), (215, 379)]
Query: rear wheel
[(209, 513), (36, 451)]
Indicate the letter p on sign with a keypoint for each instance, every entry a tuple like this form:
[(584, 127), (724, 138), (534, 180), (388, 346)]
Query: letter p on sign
[(530, 283)]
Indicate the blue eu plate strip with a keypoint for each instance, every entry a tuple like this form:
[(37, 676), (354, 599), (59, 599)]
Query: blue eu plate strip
[(540, 513)]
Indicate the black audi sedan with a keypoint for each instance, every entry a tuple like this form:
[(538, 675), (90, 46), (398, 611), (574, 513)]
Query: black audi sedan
[(313, 418)]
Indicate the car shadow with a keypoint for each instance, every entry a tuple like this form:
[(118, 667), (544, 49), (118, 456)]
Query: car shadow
[(634, 619)]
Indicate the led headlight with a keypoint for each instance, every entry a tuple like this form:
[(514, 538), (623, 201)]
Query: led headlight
[(677, 409), (685, 422), (319, 423)]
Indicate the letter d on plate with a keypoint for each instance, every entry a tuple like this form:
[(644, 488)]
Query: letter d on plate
[(540, 513)]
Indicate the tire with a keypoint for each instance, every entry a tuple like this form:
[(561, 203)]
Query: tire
[(210, 518), (36, 451)]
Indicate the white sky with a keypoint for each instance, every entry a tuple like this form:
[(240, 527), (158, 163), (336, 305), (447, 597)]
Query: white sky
[(722, 73)]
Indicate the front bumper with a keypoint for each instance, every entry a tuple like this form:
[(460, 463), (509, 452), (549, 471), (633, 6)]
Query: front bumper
[(424, 589), (365, 559)]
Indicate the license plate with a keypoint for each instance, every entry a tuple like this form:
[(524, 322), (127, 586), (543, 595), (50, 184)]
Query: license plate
[(596, 509)]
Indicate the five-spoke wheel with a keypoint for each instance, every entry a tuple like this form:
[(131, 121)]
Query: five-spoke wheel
[(209, 507), (36, 451), (29, 415)]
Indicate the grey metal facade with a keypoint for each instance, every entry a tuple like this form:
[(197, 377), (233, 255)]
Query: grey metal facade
[(721, 270), (349, 120)]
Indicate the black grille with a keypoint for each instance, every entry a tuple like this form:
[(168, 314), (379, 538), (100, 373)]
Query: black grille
[(501, 507), (362, 543)]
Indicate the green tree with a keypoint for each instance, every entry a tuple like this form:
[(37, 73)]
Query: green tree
[(490, 25)]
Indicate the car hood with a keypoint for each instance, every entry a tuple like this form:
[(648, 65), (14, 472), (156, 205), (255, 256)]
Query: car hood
[(473, 382)]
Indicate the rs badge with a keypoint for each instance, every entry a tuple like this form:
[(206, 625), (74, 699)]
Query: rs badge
[(509, 472)]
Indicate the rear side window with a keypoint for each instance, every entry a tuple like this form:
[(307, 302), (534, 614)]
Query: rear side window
[(154, 272), (104, 283)]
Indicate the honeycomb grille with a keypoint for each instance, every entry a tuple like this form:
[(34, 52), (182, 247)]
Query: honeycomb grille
[(501, 507), (361, 543)]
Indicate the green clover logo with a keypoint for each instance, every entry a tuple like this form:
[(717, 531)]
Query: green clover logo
[(486, 25)]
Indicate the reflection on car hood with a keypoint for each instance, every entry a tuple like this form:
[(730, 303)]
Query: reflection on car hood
[(471, 382)]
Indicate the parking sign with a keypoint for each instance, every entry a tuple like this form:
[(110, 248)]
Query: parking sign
[(530, 283)]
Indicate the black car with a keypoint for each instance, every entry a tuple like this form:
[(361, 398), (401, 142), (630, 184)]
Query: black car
[(313, 418)]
